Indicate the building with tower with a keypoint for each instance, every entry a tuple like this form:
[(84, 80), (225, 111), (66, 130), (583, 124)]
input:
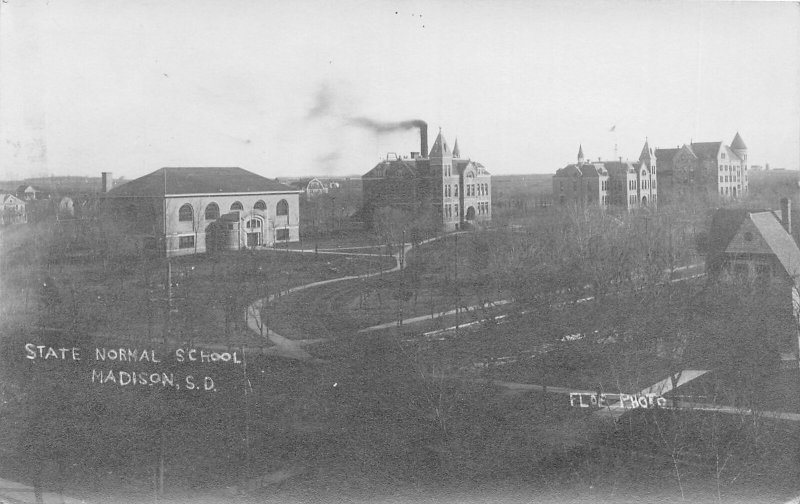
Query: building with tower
[(446, 188), (704, 171), (621, 184)]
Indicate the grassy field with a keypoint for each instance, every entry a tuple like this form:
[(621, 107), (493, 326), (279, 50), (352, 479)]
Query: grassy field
[(128, 298), (431, 284)]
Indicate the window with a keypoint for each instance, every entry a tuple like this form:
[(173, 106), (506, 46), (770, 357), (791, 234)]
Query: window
[(186, 242), (282, 208), (186, 213), (763, 272), (721, 178), (254, 224), (212, 211), (456, 210), (237, 205), (260, 205), (723, 155), (282, 234)]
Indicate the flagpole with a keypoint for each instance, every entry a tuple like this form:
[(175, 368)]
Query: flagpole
[(614, 130)]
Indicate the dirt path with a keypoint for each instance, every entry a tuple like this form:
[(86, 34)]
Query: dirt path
[(293, 349), (422, 318)]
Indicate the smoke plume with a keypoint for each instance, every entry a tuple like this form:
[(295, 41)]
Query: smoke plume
[(329, 104), (385, 127)]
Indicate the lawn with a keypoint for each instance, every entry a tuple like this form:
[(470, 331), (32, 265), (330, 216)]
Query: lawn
[(128, 299), (430, 285)]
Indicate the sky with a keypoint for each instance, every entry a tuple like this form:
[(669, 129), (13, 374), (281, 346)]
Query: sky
[(288, 89)]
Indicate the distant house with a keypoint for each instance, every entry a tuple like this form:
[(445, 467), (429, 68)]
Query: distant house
[(31, 192), (315, 187), (66, 208), (183, 211), (757, 245), (13, 209)]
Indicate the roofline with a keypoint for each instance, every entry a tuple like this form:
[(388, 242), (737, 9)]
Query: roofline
[(178, 195)]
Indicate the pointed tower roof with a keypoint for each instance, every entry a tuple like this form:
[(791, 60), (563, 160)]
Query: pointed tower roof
[(738, 143), (646, 152), (440, 148), (580, 152), (456, 152)]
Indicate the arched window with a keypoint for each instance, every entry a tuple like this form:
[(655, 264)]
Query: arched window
[(186, 214), (237, 205), (260, 205), (212, 211), (254, 224), (282, 208)]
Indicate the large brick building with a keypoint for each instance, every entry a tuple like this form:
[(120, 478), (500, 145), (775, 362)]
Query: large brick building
[(624, 184), (455, 192), (183, 211), (703, 170)]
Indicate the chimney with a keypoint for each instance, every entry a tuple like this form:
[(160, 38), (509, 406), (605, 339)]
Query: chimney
[(107, 182), (423, 140), (786, 214)]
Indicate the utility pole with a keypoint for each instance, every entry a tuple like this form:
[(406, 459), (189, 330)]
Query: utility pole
[(333, 212), (403, 250), (458, 291), (168, 286)]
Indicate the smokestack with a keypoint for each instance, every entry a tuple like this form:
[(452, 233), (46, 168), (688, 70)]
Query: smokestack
[(423, 139), (786, 214), (107, 183)]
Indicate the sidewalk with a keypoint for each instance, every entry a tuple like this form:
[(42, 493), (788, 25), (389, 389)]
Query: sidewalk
[(422, 318), (16, 493), (292, 349)]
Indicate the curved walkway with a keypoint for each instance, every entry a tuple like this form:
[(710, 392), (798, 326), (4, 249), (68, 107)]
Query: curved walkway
[(293, 349)]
